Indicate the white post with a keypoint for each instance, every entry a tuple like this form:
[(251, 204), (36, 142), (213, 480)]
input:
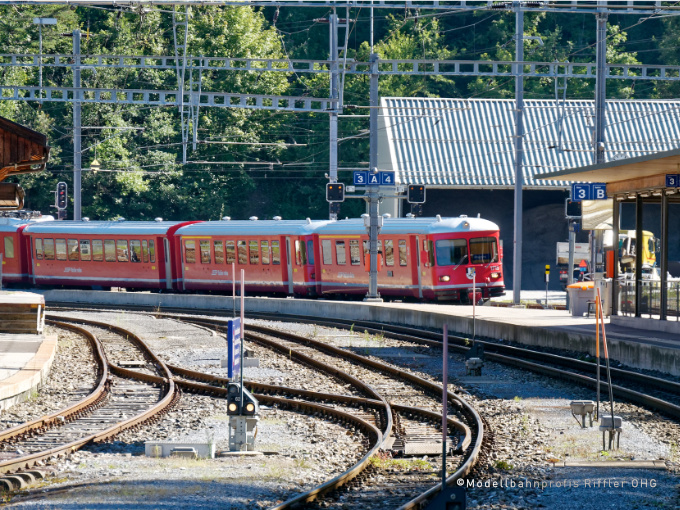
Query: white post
[(474, 302), (233, 286), (243, 330), (445, 380)]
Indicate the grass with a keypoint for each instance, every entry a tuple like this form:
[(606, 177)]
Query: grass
[(503, 465), (384, 460)]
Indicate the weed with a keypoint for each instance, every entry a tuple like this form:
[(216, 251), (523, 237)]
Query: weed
[(384, 460), (674, 451), (524, 426), (503, 465), (517, 399), (302, 464)]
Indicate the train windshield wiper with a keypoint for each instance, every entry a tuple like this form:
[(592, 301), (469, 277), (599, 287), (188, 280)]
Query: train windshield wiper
[(461, 261)]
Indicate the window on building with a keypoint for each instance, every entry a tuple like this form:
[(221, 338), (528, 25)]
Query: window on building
[(49, 249), (61, 249), (264, 245), (85, 253), (97, 250), (38, 249), (340, 254), (73, 250), (219, 252), (135, 250), (276, 253), (205, 251)]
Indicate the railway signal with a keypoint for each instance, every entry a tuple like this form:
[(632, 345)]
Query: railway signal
[(416, 194), (62, 194), (335, 192), (249, 407)]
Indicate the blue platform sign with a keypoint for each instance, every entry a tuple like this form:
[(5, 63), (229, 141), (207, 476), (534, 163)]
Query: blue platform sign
[(360, 178), (588, 191), (387, 178), (672, 180), (373, 179), (233, 347)]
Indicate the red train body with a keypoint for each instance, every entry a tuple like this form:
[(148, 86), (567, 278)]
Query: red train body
[(422, 258)]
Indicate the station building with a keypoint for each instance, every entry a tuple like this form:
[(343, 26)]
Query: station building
[(463, 151)]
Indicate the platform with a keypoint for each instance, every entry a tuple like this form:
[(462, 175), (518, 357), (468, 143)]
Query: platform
[(641, 348)]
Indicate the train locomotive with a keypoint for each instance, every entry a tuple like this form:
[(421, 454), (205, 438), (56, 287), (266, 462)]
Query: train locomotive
[(432, 259)]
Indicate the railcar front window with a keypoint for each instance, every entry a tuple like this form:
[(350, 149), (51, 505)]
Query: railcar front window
[(73, 250), (231, 252), (219, 252), (85, 253), (61, 249), (49, 249), (276, 253), (122, 250), (340, 253), (254, 253), (354, 252), (403, 253), (451, 252), (97, 250), (9, 248), (242, 252), (189, 251), (135, 250), (38, 249), (389, 252), (264, 245), (483, 250), (205, 251)]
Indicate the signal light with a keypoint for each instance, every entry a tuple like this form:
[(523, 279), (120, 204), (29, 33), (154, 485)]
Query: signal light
[(416, 194), (335, 192), (62, 195), (248, 407)]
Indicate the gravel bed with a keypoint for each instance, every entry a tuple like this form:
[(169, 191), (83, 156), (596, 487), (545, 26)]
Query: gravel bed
[(72, 377)]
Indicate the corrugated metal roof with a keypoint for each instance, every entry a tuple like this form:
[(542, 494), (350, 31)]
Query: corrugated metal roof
[(461, 143)]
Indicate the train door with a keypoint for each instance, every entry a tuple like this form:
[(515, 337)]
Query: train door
[(289, 265), (416, 259), (31, 259), (168, 266)]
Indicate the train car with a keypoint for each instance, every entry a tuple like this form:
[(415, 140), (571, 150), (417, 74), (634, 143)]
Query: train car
[(15, 260), (131, 255), (423, 258), (277, 256)]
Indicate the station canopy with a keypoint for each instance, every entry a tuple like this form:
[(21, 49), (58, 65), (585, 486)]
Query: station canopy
[(459, 143)]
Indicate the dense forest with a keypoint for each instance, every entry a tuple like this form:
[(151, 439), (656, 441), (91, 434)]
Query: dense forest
[(254, 162)]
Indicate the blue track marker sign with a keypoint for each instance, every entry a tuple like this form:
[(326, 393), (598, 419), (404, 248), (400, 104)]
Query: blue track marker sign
[(233, 347), (372, 179), (360, 178), (588, 191), (387, 178), (672, 180)]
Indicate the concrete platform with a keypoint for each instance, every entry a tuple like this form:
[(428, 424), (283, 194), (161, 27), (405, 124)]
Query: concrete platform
[(623, 464), (25, 361), (642, 348)]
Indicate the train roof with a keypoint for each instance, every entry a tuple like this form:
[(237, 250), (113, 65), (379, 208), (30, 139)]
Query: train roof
[(103, 227), (13, 224), (253, 227), (436, 225)]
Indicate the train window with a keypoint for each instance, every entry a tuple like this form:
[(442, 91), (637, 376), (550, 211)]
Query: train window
[(135, 250), (231, 252), (122, 250), (152, 251), (49, 249), (38, 249), (145, 251), (403, 254), (97, 250), (219, 252), (300, 253), (265, 251), (451, 252), (254, 252), (73, 250), (429, 251), (483, 250), (110, 250), (354, 253), (205, 251), (85, 253), (276, 253), (61, 249), (9, 248), (389, 252), (189, 251), (340, 254), (326, 254), (242, 252), (310, 252)]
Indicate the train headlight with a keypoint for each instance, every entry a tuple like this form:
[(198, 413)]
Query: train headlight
[(466, 224), (444, 278), (495, 275)]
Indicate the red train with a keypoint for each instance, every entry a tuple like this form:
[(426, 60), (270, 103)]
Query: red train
[(421, 258)]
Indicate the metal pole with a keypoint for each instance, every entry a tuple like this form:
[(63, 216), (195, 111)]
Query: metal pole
[(371, 38), (373, 194), (77, 155), (615, 270), (445, 380), (233, 286), (600, 86), (597, 353), (333, 163), (663, 263), (474, 304), (519, 139), (243, 334), (40, 67)]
